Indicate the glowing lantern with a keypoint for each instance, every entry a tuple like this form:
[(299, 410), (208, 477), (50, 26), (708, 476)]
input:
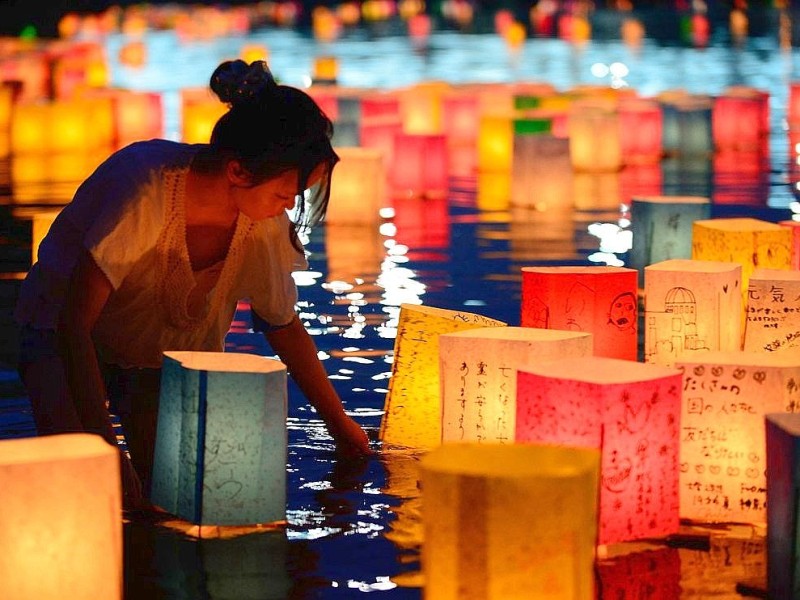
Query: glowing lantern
[(640, 181), (412, 411), (133, 54), (598, 300), (479, 380), (737, 122), (495, 143), (380, 105), (326, 69), (594, 137), (326, 98), (695, 137), (137, 116), (640, 124), (509, 521), (220, 455), (783, 483), (691, 306), (632, 31), (723, 447), (420, 165), (200, 112), (252, 52), (32, 69), (662, 228), (494, 190), (61, 500), (325, 24), (359, 189), (515, 35), (379, 133), (628, 410), (749, 242), (596, 191), (654, 573), (773, 319), (29, 128), (794, 227), (460, 117), (542, 172), (421, 107)]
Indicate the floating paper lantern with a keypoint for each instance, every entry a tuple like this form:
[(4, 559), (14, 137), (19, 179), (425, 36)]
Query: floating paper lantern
[(354, 254), (479, 380), (495, 143), (695, 137), (783, 483), (723, 448), (773, 317), (640, 124), (541, 175), (594, 137), (63, 126), (662, 228), (61, 505), (30, 129), (137, 116), (420, 165), (509, 521), (412, 411), (421, 107), (325, 69), (358, 191), (460, 118), (640, 181), (737, 122), (691, 307), (629, 410), (32, 69), (200, 112), (220, 455), (379, 133), (794, 227), (750, 242), (598, 300)]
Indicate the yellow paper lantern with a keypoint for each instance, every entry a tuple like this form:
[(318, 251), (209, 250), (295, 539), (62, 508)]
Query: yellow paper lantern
[(421, 107), (479, 376), (412, 409), (726, 396), (200, 114), (594, 137), (61, 523), (253, 52), (30, 128), (509, 522), (326, 68), (496, 142), (358, 190), (494, 190)]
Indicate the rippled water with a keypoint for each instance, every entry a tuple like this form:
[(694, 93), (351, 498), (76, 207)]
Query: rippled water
[(355, 527)]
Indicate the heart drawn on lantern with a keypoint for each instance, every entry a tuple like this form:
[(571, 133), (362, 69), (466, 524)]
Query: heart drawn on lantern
[(733, 471), (684, 467), (717, 371), (739, 373), (752, 472), (699, 370), (700, 469), (618, 475), (714, 469), (759, 376), (725, 288)]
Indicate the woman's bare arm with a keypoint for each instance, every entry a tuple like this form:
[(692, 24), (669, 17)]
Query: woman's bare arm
[(298, 352)]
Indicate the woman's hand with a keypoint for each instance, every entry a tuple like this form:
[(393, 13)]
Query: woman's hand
[(351, 440)]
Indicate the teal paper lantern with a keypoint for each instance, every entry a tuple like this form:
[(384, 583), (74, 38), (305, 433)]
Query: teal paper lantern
[(220, 456)]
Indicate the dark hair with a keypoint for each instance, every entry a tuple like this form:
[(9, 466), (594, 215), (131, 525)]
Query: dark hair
[(272, 128)]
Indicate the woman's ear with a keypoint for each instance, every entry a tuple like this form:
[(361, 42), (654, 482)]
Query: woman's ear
[(237, 174)]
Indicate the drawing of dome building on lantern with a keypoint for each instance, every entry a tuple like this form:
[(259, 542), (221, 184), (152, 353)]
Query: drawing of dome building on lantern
[(673, 331)]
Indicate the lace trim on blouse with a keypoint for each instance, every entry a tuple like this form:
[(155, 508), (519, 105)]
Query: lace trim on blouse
[(176, 278)]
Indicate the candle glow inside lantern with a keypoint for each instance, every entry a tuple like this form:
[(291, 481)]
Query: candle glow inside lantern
[(750, 242), (691, 307), (641, 131), (495, 142), (783, 517), (628, 410), (594, 137), (773, 317), (737, 122), (412, 409), (419, 165), (220, 456), (60, 527), (199, 113), (541, 175), (726, 396), (509, 522), (358, 191), (598, 300), (662, 228), (421, 107), (478, 376)]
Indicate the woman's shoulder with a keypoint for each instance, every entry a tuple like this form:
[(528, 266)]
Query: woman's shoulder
[(154, 154)]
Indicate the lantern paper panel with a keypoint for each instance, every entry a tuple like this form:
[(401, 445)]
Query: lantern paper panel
[(220, 456), (640, 126), (645, 575), (412, 408), (478, 376), (773, 315), (662, 228), (494, 190), (379, 133), (794, 227), (358, 191), (723, 449), (783, 515), (750, 242), (736, 123), (598, 300), (695, 137), (594, 138), (421, 107), (509, 522), (495, 142), (460, 117), (541, 174), (691, 307), (419, 165), (628, 410), (60, 527), (701, 570)]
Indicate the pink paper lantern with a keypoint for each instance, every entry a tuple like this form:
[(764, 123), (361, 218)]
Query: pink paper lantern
[(460, 115), (379, 133), (419, 166), (641, 124), (736, 123), (598, 300), (631, 412)]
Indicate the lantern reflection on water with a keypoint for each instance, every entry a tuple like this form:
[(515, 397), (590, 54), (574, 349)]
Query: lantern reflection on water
[(509, 521), (627, 409), (61, 505)]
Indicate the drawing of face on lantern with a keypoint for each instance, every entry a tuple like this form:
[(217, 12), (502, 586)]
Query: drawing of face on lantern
[(631, 412), (773, 316), (412, 409), (513, 521), (691, 306), (662, 228), (783, 467), (479, 381), (725, 398), (598, 300), (60, 527)]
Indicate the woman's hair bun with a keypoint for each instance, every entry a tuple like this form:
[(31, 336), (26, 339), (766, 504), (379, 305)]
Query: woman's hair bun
[(236, 82)]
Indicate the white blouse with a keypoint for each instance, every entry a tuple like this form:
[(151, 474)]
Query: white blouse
[(129, 214)]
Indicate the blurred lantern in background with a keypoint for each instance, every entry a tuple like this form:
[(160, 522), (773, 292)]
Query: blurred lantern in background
[(641, 131), (594, 137), (199, 113), (358, 191), (325, 69), (419, 165)]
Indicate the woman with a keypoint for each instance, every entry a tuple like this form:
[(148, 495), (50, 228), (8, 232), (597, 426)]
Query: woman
[(155, 250)]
